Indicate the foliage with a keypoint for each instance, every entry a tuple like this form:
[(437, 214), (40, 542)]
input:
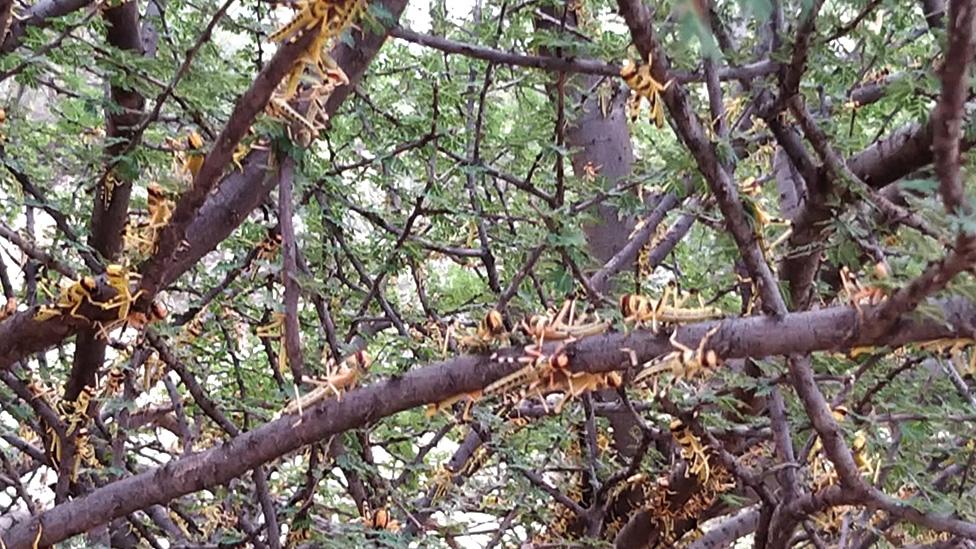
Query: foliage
[(485, 163)]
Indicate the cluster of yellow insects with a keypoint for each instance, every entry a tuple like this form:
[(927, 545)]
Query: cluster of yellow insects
[(81, 292), (141, 237), (74, 415), (542, 373), (328, 19), (711, 480), (546, 373)]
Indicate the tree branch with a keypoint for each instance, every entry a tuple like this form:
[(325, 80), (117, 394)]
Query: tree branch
[(563, 64), (755, 337)]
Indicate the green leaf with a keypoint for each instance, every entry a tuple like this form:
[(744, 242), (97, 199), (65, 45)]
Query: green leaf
[(922, 186)]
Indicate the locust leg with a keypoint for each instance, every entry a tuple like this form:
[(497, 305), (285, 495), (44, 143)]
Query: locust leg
[(678, 345), (303, 21)]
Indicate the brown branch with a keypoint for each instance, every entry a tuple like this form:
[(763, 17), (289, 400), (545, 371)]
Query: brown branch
[(726, 532), (474, 122), (12, 477), (907, 149), (35, 253), (212, 293), (713, 85), (520, 184), (5, 284), (560, 497), (934, 12), (674, 235), (871, 92), (600, 280), (516, 281), (563, 64), (376, 284), (381, 222), (322, 311), (792, 72), (28, 449), (155, 271), (289, 269), (853, 23), (548, 63), (198, 393), (111, 201), (224, 211), (784, 443), (755, 336), (861, 407), (392, 153), (843, 177), (337, 234), (267, 507), (477, 436)]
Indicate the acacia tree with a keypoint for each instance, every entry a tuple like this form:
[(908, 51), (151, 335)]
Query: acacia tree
[(223, 322)]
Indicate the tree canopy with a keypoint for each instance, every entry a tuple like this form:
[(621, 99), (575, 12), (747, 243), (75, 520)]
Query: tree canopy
[(558, 273)]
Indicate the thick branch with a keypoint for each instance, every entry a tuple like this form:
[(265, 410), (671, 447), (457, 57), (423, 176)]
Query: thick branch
[(754, 336), (251, 103), (39, 15), (110, 204), (948, 115), (223, 211)]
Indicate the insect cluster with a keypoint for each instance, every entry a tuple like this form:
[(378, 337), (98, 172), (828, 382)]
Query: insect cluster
[(141, 237), (328, 19), (711, 480), (549, 369), (70, 429), (118, 281)]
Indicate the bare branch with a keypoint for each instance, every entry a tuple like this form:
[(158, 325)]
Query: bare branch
[(561, 64), (289, 270)]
